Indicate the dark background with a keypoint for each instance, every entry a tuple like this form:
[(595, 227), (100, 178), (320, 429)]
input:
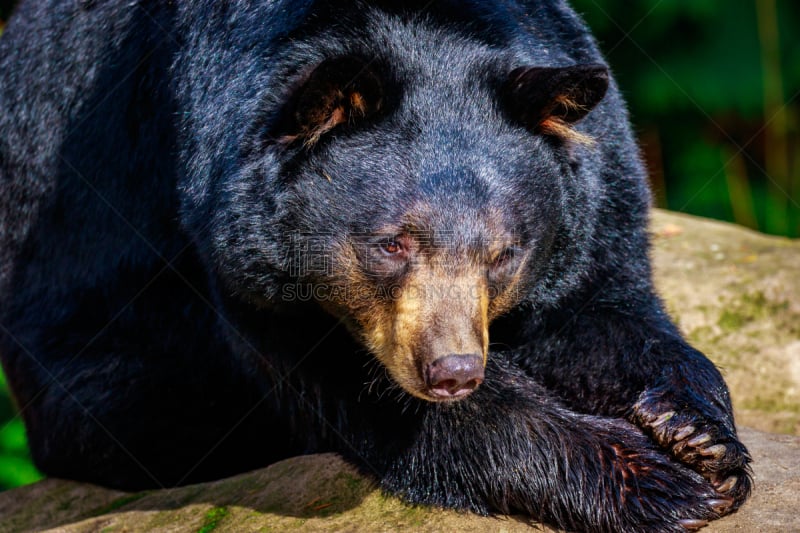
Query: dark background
[(714, 93)]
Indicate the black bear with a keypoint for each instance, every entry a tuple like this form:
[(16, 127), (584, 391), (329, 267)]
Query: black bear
[(412, 232)]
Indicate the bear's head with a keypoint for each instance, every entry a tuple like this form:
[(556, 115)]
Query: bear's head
[(417, 189)]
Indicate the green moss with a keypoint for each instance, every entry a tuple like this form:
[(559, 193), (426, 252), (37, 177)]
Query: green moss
[(788, 426), (748, 308), (702, 335), (414, 516), (354, 483), (213, 518), (65, 505), (731, 321), (119, 502), (342, 492), (770, 404)]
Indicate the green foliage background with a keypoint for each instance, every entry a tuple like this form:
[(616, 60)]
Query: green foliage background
[(15, 464), (714, 93)]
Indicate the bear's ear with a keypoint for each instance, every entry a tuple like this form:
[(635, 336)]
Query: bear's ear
[(549, 99), (338, 91)]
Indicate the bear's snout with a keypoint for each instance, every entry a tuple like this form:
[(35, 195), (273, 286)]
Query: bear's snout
[(454, 376)]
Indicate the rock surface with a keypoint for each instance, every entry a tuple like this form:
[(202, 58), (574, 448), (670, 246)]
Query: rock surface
[(323, 493), (735, 293)]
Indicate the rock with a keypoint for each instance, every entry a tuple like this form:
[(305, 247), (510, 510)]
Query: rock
[(307, 493), (323, 493), (735, 293)]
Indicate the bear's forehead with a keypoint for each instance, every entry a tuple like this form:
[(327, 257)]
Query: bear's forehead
[(424, 48)]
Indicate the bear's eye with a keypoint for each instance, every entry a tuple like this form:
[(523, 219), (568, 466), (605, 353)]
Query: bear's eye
[(396, 249), (389, 256), (392, 246)]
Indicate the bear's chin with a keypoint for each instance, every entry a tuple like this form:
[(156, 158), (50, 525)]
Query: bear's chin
[(431, 396)]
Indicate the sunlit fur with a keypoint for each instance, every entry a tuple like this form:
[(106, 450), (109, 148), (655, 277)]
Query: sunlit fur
[(437, 310)]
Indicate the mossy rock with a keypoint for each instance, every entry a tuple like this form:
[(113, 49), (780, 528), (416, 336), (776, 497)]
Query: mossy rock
[(324, 493), (736, 295)]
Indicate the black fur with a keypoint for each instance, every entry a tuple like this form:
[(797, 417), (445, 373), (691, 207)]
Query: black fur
[(154, 180)]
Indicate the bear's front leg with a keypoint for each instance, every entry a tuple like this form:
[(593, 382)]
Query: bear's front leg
[(688, 412), (636, 365), (510, 447)]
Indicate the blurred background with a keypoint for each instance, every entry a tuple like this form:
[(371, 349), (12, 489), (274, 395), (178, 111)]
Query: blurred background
[(713, 88)]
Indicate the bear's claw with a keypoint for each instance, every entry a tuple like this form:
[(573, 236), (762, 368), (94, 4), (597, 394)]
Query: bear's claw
[(704, 445), (693, 524), (727, 485), (721, 505)]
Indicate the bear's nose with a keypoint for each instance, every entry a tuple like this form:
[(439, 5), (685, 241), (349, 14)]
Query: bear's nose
[(454, 376)]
